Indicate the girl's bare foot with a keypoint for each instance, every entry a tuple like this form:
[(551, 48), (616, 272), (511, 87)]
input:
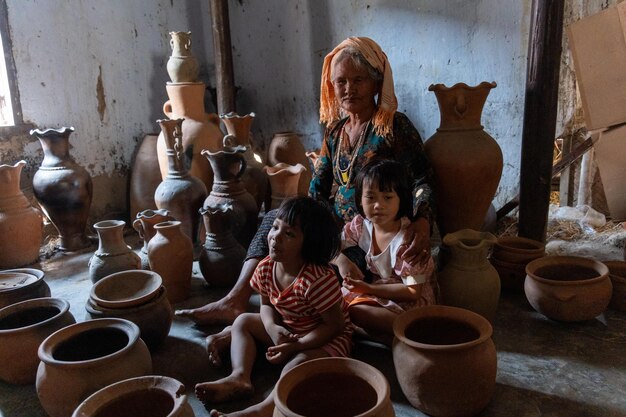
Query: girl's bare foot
[(225, 389), (216, 344), (223, 311)]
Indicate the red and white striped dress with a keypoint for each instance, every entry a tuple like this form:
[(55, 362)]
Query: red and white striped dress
[(315, 290)]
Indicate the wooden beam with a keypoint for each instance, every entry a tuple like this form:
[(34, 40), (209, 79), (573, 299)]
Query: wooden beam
[(542, 84), (225, 80)]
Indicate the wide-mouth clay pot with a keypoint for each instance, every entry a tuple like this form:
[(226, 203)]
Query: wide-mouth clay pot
[(126, 289), (568, 288), (516, 249), (617, 274), (338, 387), (512, 275), (22, 284)]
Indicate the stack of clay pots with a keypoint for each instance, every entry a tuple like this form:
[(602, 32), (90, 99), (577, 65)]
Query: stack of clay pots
[(21, 284), (510, 255)]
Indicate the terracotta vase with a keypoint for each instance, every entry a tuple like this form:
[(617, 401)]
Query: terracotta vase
[(200, 130), (333, 387), (228, 166), (17, 217), (145, 176), (222, 256), (170, 253), (617, 274), (182, 66), (22, 284), (466, 161), (287, 148), (254, 178), (445, 360), (154, 396), (144, 225), (82, 358), (284, 181), (113, 254), (23, 326), (63, 188), (180, 193), (313, 158), (568, 288), (510, 255), (468, 280)]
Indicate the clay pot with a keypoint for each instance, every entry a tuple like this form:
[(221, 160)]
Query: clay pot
[(466, 161), (82, 358), (22, 284), (144, 396), (445, 360), (568, 288), (468, 280), (617, 274), (180, 193), (516, 249), (144, 225), (222, 256), (512, 275), (113, 254), (284, 181), (170, 253), (145, 176), (17, 217), (182, 66), (200, 130), (63, 188), (287, 148), (333, 387), (313, 158), (23, 326)]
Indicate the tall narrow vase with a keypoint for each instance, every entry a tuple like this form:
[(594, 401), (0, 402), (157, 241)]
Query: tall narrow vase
[(113, 254), (63, 188), (144, 225), (284, 180), (466, 161), (182, 66), (17, 218), (145, 176)]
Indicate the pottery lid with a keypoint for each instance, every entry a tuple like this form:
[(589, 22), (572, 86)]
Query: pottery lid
[(12, 280), (126, 289)]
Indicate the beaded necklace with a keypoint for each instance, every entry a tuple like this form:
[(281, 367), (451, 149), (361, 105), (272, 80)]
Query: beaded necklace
[(343, 166)]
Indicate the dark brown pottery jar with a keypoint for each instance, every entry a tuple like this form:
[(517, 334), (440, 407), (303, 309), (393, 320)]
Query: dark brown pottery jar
[(144, 225)]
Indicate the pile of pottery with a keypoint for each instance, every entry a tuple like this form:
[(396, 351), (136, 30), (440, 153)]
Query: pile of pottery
[(21, 284), (510, 255)]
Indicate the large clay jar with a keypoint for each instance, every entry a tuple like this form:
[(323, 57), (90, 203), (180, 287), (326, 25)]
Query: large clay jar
[(468, 280), (145, 176), (568, 288), (144, 396), (63, 188), (144, 225), (617, 274), (254, 178), (113, 254), (17, 218), (200, 130), (23, 326), (466, 161), (182, 66), (180, 193), (222, 256), (170, 253), (287, 148), (22, 284), (284, 179), (82, 358), (445, 360), (333, 387), (228, 166)]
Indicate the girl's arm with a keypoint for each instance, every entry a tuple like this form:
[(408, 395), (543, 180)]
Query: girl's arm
[(394, 292), (349, 237), (272, 321), (331, 326)]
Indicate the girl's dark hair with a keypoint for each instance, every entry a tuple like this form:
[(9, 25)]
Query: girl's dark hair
[(321, 234), (390, 175)]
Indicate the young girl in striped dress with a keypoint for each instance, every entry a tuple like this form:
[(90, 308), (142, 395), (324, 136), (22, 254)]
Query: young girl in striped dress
[(303, 315)]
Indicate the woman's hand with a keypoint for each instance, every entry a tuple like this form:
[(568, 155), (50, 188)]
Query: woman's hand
[(281, 352), (356, 285), (417, 238)]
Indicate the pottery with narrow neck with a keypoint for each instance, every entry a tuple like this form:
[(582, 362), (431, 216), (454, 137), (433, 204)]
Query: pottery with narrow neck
[(144, 225), (113, 254), (182, 66)]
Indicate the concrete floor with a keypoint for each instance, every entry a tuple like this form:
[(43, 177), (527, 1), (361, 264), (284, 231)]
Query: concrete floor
[(545, 368)]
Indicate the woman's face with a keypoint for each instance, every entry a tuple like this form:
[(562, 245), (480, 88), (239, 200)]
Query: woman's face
[(354, 88)]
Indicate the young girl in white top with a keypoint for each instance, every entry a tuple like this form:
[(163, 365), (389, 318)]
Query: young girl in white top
[(385, 205)]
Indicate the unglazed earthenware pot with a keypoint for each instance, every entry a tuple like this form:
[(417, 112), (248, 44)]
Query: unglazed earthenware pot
[(113, 254), (22, 284), (182, 66), (284, 180), (286, 147), (617, 274), (144, 225)]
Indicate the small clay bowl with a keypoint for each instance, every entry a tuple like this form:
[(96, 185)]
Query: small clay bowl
[(22, 284), (517, 249), (126, 289), (617, 274)]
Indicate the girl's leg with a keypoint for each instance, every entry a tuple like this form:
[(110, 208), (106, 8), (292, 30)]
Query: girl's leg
[(376, 321)]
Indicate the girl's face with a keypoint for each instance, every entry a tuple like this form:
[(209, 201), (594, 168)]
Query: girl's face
[(285, 241), (380, 207)]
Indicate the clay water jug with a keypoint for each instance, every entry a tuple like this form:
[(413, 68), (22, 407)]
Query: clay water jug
[(254, 178), (469, 280), (200, 130), (113, 254), (228, 166), (284, 179), (287, 148), (466, 161), (170, 253), (17, 218), (145, 176), (222, 256), (63, 188), (144, 225), (180, 193), (182, 66)]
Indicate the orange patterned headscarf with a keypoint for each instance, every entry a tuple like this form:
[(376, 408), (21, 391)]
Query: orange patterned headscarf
[(387, 102)]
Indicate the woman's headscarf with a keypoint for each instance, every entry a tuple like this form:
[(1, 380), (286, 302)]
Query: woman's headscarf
[(387, 102)]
